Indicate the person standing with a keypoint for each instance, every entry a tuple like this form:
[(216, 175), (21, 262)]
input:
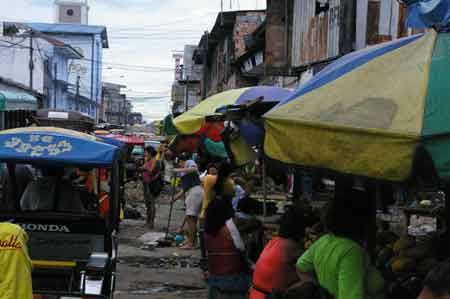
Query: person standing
[(217, 185), (15, 263), (228, 271), (150, 173), (193, 192)]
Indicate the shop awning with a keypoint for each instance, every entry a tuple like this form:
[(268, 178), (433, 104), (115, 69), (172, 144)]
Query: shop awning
[(17, 100)]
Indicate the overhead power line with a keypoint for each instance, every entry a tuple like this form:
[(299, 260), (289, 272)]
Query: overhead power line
[(105, 64), (184, 20)]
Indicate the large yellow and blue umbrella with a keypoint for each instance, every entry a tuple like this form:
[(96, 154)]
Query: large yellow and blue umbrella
[(371, 112)]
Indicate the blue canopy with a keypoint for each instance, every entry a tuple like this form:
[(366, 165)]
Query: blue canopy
[(55, 146)]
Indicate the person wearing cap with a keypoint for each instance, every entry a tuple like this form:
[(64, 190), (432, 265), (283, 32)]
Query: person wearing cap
[(193, 192)]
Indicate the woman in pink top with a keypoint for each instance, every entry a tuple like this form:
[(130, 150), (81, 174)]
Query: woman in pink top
[(150, 172), (275, 268)]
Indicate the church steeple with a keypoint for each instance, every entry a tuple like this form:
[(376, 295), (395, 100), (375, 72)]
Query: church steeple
[(71, 11)]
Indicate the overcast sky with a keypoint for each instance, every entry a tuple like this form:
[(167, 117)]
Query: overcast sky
[(141, 33)]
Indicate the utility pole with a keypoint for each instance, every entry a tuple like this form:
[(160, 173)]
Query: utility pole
[(221, 12), (55, 84), (109, 110), (31, 63), (186, 100), (205, 67), (77, 95), (125, 111)]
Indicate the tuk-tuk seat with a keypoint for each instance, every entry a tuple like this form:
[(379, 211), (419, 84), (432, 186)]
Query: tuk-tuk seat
[(39, 195)]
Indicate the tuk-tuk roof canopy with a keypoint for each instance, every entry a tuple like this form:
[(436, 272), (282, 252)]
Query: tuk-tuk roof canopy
[(49, 145)]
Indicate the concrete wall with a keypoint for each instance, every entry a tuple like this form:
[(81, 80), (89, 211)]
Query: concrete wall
[(14, 65), (14, 60), (114, 102), (245, 24), (222, 73), (277, 39), (89, 68), (191, 70)]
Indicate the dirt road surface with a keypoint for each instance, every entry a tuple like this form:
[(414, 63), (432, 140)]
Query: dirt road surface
[(156, 272)]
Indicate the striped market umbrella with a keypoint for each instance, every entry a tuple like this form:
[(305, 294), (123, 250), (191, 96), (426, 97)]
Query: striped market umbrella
[(193, 121), (380, 112)]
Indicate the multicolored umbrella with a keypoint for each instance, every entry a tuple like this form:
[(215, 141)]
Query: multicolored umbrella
[(193, 121), (371, 112)]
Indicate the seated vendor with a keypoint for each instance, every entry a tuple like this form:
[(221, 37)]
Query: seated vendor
[(87, 177), (275, 268), (437, 283), (104, 202), (337, 260)]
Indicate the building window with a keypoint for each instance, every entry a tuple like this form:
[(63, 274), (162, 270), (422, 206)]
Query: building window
[(322, 6)]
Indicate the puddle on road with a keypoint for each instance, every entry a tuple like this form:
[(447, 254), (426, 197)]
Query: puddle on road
[(154, 288), (175, 262)]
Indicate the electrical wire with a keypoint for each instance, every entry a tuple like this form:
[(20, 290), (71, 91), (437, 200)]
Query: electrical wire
[(166, 24), (13, 44), (105, 64)]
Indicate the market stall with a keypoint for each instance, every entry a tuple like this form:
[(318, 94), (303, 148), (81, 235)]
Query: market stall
[(378, 118), (17, 109)]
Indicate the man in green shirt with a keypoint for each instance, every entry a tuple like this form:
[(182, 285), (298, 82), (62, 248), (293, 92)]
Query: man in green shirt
[(337, 261)]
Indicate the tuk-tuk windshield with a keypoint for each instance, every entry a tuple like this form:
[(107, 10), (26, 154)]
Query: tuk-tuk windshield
[(54, 189)]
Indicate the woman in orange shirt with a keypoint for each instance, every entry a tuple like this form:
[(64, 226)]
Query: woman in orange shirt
[(275, 268)]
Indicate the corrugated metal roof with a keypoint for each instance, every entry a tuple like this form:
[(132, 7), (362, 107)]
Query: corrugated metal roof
[(67, 28)]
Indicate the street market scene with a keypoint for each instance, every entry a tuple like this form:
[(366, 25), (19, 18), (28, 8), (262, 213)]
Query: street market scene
[(225, 149)]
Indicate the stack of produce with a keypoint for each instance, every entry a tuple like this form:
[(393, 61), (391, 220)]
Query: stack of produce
[(405, 254)]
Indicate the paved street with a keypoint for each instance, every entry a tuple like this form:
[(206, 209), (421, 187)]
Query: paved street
[(159, 272)]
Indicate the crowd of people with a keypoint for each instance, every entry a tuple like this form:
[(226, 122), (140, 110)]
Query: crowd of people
[(336, 265)]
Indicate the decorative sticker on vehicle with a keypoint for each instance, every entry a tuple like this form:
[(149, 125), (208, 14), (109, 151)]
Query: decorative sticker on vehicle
[(38, 145)]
